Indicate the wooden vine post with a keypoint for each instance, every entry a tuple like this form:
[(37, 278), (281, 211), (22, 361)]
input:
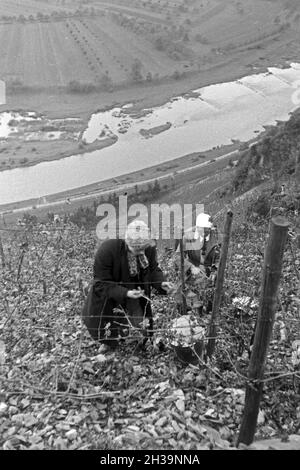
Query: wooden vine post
[(219, 286), (2, 256), (266, 315), (182, 274)]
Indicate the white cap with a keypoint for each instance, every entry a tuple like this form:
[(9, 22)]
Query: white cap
[(203, 221)]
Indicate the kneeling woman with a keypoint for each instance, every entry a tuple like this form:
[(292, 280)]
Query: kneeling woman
[(124, 272)]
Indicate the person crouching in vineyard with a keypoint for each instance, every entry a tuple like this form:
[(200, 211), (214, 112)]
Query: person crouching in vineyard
[(201, 247), (124, 272)]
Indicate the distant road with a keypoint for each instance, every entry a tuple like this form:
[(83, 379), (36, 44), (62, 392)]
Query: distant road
[(116, 189)]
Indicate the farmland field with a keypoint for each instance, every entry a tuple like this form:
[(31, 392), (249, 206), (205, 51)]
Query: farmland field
[(71, 58), (54, 53), (119, 42), (32, 7)]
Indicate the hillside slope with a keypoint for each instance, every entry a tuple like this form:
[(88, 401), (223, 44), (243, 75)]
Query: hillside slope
[(275, 156), (57, 392)]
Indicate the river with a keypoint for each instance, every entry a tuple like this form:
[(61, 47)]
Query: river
[(211, 116)]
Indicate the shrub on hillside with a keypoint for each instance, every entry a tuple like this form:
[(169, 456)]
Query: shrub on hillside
[(15, 84), (175, 49), (74, 86), (106, 83), (136, 71), (261, 207), (201, 39), (29, 219), (84, 217), (177, 75)]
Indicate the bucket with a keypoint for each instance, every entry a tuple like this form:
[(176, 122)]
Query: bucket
[(190, 354), (187, 339)]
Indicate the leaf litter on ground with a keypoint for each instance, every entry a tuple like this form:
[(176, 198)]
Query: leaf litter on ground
[(57, 392)]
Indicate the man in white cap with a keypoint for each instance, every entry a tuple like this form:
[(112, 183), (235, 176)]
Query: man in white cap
[(195, 244), (124, 272), (201, 256)]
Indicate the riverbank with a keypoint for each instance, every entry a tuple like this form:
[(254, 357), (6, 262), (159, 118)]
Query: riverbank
[(20, 154), (55, 104), (191, 166)]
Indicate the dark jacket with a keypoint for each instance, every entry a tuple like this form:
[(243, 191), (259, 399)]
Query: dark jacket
[(210, 251), (111, 283)]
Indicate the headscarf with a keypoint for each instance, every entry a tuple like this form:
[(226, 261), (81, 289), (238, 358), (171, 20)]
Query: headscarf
[(137, 238)]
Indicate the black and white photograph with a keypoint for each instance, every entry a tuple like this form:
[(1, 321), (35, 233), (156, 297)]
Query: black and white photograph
[(150, 228)]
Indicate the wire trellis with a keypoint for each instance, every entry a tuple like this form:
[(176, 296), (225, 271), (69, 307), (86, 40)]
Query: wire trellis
[(39, 266)]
